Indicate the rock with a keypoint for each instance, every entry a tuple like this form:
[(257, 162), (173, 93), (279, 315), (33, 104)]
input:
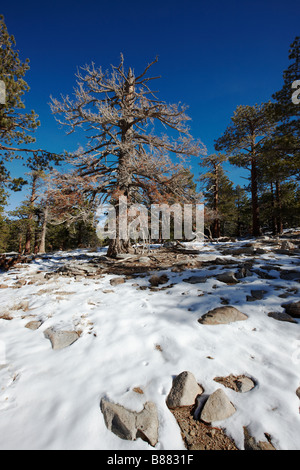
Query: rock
[(116, 281), (144, 259), (33, 325), (130, 425), (292, 309), (195, 279), (250, 442), (281, 316), (298, 392), (60, 339), (157, 280), (287, 245), (240, 383), (184, 391), (244, 384), (256, 295), (290, 275), (217, 407), (222, 315), (228, 277)]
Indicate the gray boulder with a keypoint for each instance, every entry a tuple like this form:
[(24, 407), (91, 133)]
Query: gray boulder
[(217, 407), (60, 339), (130, 425), (184, 391), (222, 315)]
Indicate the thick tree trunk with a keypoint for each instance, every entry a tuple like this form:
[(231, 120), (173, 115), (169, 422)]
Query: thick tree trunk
[(121, 244)]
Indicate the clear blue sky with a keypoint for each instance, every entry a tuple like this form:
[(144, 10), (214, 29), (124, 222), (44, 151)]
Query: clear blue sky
[(213, 55)]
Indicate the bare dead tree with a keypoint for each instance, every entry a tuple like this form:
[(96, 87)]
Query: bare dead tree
[(128, 152)]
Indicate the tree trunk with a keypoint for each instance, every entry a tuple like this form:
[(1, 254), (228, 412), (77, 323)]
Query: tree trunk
[(279, 208), (42, 246), (274, 218), (254, 193), (216, 227), (121, 244), (29, 230)]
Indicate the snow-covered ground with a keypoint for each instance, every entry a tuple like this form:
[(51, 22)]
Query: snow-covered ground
[(50, 399)]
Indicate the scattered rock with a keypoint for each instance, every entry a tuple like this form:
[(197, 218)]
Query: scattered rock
[(33, 325), (228, 277), (217, 407), (130, 425), (157, 280), (281, 316), (292, 309), (60, 339), (256, 295), (184, 391), (250, 442), (195, 279), (222, 315), (240, 383), (116, 281), (287, 245), (290, 275)]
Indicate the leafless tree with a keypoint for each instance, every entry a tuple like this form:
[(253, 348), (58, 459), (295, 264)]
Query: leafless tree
[(128, 151)]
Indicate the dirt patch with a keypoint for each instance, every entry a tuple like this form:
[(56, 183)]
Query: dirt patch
[(199, 436)]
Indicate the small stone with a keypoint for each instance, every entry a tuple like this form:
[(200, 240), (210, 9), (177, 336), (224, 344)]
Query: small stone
[(217, 407), (33, 325), (116, 281)]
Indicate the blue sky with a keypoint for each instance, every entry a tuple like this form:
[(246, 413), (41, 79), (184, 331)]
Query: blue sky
[(213, 55)]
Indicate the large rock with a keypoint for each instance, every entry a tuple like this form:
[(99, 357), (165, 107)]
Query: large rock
[(60, 339), (184, 391), (292, 309), (222, 315), (130, 425), (217, 407)]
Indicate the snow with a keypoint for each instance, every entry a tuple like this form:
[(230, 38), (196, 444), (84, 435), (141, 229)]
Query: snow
[(50, 399)]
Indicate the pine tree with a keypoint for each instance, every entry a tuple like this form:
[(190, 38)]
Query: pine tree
[(242, 141)]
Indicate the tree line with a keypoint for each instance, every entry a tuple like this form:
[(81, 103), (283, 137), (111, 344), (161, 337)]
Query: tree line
[(140, 147)]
